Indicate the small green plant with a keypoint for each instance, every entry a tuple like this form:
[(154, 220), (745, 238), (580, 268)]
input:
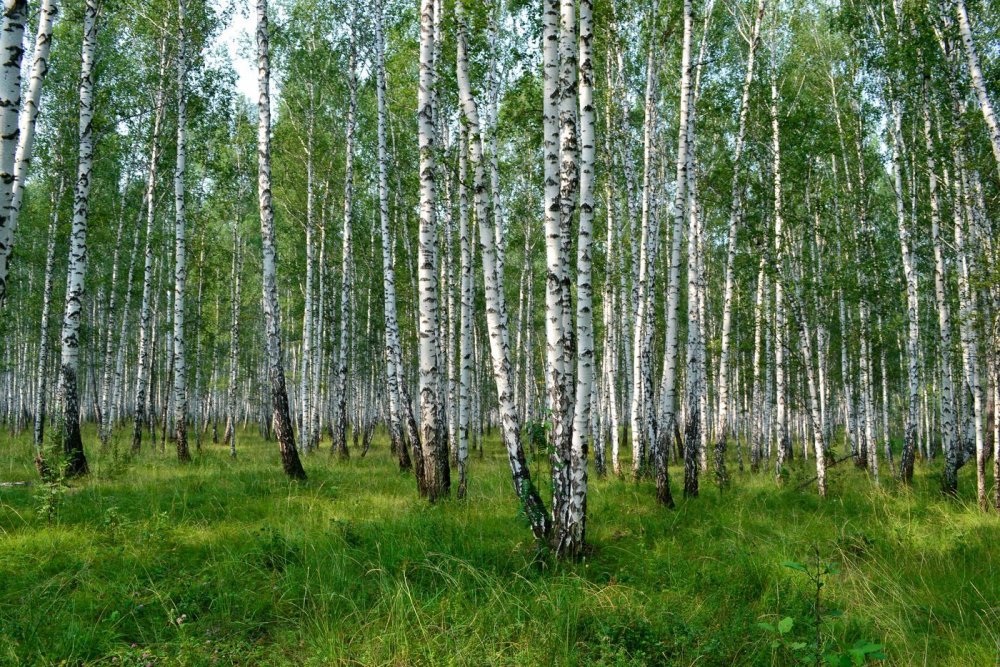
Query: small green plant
[(805, 641), (118, 462), (50, 461)]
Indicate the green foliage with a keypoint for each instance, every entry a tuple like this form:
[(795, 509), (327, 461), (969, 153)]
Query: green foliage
[(811, 645), (353, 568), (51, 465)]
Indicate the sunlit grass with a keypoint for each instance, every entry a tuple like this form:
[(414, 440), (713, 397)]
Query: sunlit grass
[(226, 562)]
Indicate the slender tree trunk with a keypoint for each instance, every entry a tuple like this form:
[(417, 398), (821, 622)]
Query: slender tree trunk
[(43, 335), (435, 469), (279, 395), (70, 355), (180, 249), (15, 15), (584, 286), (346, 278), (531, 502), (234, 342), (757, 431), (673, 289), (784, 444), (949, 435), (641, 382), (144, 362), (735, 214), (466, 296), (393, 353), (305, 378)]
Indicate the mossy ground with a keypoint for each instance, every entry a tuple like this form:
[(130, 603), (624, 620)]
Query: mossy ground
[(226, 562)]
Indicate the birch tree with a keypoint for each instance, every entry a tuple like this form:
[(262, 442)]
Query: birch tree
[(393, 353), (15, 15), (531, 502), (180, 248), (276, 373), (435, 450), (76, 460), (340, 429)]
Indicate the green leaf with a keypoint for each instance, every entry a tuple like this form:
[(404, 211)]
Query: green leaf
[(792, 565), (863, 646), (766, 626), (797, 646), (838, 660), (785, 624)]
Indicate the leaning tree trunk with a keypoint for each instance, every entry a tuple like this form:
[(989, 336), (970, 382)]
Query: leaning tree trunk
[(76, 271), (978, 82), (531, 502), (15, 15), (28, 117), (276, 372)]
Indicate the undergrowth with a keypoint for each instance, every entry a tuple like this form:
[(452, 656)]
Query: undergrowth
[(225, 562)]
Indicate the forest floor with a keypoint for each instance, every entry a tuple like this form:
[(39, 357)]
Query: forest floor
[(225, 562)]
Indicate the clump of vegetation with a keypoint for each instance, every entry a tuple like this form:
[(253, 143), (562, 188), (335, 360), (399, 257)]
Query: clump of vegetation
[(806, 642), (50, 462)]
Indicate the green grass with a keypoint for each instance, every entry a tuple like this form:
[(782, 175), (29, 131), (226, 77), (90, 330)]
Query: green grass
[(352, 568)]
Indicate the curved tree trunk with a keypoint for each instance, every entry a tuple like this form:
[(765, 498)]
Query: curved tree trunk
[(531, 502), (276, 372)]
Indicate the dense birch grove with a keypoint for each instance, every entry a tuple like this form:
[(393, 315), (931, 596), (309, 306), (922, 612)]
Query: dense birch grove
[(683, 242)]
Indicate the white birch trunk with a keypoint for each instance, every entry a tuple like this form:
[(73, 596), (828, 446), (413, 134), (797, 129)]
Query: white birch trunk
[(531, 502), (276, 372), (435, 460), (41, 381), (912, 303), (393, 353), (673, 289), (735, 214), (145, 311), (180, 248), (77, 268), (346, 271), (15, 15)]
